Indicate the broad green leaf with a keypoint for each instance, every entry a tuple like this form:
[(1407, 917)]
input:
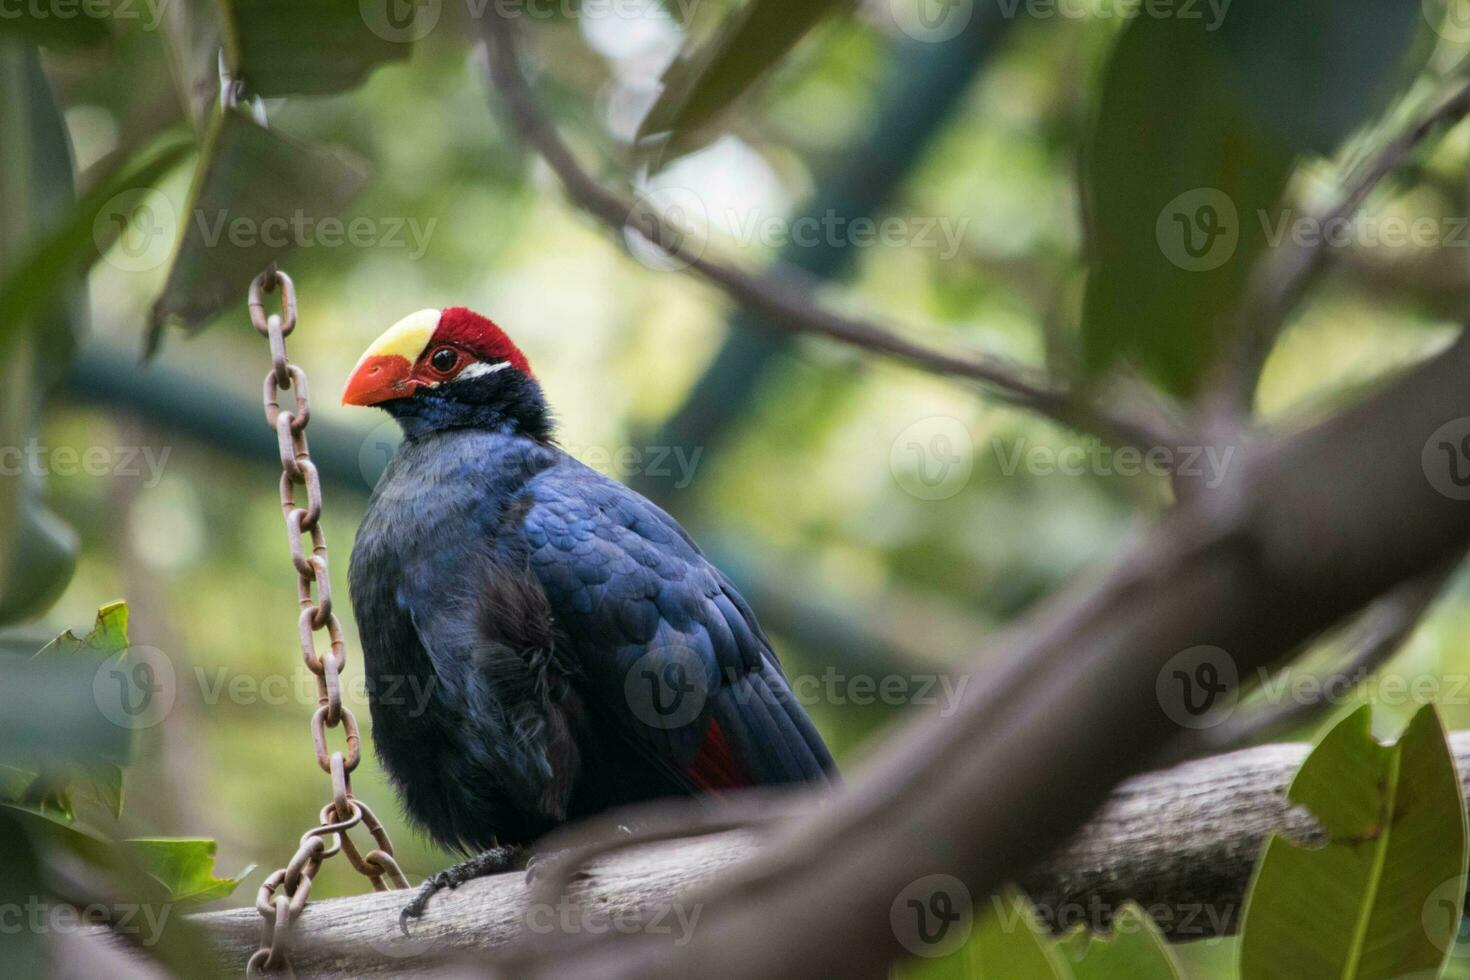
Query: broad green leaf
[(255, 196), (312, 47), (73, 245), (185, 867), (43, 555), (1315, 70), (1010, 943), (21, 950), (1181, 203), (1382, 898), (47, 784), (1177, 171), (1134, 949), (168, 938), (54, 739), (286, 47), (700, 85), (36, 554)]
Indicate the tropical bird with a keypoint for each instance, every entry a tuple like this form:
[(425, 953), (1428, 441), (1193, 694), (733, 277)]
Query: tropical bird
[(541, 642)]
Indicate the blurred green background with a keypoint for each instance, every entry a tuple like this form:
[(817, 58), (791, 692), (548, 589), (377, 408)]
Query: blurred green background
[(804, 485)]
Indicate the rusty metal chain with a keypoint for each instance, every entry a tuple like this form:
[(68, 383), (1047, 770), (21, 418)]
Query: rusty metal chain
[(284, 893)]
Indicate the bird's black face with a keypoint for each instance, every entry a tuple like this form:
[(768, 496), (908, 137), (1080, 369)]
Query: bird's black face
[(507, 400), (437, 370)]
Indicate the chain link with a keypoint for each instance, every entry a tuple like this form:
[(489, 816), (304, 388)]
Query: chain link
[(283, 895)]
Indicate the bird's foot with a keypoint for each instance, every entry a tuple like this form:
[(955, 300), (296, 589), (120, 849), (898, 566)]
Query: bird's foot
[(493, 861)]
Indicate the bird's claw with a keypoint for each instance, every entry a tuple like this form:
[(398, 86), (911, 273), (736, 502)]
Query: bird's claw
[(495, 860), (415, 908)]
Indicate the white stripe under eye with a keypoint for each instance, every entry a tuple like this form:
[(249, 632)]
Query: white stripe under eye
[(479, 368)]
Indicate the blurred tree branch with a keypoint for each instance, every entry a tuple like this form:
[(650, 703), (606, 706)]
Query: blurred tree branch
[(1182, 842), (783, 296), (920, 88), (1376, 635), (1289, 271), (1066, 705)]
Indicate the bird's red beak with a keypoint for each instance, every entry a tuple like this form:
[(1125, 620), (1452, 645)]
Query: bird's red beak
[(386, 369), (379, 378)]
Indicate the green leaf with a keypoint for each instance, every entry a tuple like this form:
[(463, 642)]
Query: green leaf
[(1314, 70), (43, 555), (1382, 898), (46, 783), (171, 940), (184, 866), (37, 553), (255, 196), (1195, 138), (312, 47), (72, 246), (1134, 949), (109, 634), (1176, 172), (21, 950), (701, 85), (1010, 943)]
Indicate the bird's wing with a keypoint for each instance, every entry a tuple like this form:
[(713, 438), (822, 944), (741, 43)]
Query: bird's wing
[(664, 644)]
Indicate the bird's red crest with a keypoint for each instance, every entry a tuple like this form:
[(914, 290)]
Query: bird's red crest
[(468, 329)]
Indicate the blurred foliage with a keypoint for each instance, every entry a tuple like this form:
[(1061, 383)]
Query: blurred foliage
[(65, 739), (815, 483)]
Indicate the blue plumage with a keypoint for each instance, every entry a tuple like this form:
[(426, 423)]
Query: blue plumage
[(578, 650)]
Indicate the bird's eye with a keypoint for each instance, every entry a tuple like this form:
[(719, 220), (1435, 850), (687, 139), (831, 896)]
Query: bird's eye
[(444, 359)]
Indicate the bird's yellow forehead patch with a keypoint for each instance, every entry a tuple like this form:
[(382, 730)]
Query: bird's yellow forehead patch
[(407, 338)]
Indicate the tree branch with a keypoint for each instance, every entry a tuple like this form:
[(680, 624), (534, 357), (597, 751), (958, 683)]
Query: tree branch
[(783, 294), (1068, 703), (1182, 842), (1378, 634), (1288, 273)]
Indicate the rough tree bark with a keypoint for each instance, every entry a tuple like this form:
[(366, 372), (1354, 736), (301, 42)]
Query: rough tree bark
[(1182, 842)]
